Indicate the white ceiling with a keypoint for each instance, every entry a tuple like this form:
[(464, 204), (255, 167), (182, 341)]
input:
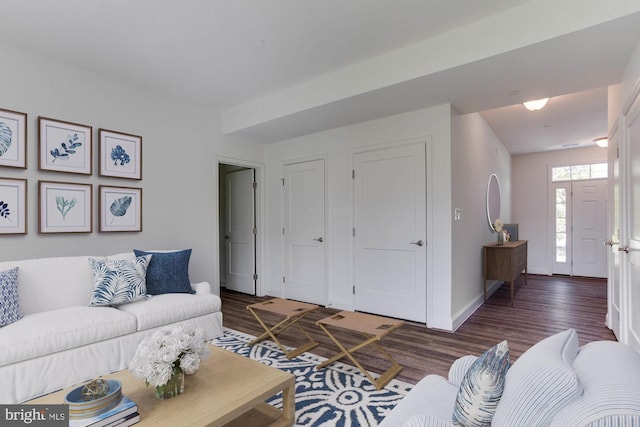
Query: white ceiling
[(223, 54)]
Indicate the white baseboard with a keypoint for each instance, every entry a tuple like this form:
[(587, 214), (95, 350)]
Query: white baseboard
[(461, 316)]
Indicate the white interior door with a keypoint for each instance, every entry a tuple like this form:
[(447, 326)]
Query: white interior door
[(589, 215), (631, 298), (240, 231), (303, 231), (390, 232), (614, 278)]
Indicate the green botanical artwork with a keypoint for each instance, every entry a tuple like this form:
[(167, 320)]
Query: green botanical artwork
[(64, 205)]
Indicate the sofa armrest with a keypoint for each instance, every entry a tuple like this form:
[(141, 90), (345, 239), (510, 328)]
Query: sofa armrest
[(459, 368), (425, 420), (201, 288)]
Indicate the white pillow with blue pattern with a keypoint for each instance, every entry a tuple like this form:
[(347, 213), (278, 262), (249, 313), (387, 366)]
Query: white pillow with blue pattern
[(118, 282), (481, 388), (9, 303)]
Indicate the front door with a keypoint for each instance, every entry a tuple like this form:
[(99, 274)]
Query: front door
[(390, 232), (589, 214), (240, 232), (303, 231)]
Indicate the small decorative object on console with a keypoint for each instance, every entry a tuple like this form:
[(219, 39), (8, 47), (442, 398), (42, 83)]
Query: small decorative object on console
[(95, 389), (164, 358)]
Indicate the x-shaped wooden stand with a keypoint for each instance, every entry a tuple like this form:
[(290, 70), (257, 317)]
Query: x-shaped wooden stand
[(292, 311), (374, 328)]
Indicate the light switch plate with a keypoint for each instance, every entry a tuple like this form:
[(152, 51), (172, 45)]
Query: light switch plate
[(457, 214)]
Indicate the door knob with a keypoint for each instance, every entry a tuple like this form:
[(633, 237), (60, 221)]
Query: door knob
[(226, 237), (610, 243), (418, 243), (319, 239), (624, 249)]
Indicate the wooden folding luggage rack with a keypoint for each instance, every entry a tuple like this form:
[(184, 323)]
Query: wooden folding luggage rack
[(292, 311), (374, 328)]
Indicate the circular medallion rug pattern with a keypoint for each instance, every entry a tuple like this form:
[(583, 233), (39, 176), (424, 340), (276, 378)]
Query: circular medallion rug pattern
[(339, 395)]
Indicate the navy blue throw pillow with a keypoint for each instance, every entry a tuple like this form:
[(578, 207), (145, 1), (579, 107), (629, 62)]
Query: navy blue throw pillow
[(168, 272)]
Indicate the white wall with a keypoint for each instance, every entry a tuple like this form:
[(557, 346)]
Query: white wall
[(530, 198), (476, 154), (338, 145), (179, 142)]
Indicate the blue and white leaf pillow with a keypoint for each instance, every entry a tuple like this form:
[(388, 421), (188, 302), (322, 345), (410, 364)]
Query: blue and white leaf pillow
[(118, 282), (9, 303), (481, 388)]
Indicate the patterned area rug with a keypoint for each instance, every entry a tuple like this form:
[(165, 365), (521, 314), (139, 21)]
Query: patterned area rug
[(335, 396)]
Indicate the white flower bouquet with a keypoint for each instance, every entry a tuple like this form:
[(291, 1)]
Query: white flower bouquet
[(169, 351)]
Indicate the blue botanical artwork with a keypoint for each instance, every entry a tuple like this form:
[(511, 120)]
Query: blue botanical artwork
[(119, 155), (4, 210), (5, 138), (119, 207), (64, 205), (68, 148)]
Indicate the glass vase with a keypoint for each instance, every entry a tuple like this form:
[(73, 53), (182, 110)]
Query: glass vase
[(173, 387)]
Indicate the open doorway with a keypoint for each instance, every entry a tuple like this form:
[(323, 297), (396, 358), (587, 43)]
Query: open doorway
[(238, 229)]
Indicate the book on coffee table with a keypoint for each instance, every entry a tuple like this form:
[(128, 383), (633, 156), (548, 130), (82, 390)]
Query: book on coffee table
[(128, 420), (111, 417)]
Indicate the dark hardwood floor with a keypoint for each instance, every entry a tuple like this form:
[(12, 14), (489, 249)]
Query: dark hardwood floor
[(548, 304)]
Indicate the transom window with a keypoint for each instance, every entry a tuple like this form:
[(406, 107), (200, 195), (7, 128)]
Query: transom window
[(575, 172)]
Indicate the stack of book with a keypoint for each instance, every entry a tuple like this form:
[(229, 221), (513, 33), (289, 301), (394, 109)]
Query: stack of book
[(122, 415)]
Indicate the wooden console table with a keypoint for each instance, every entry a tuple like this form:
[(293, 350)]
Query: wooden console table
[(505, 262)]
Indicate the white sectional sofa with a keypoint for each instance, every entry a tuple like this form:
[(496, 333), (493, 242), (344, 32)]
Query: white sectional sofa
[(554, 383), (61, 340)]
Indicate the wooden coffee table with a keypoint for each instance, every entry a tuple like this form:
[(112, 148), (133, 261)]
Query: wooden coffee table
[(227, 390), (373, 328), (292, 311)]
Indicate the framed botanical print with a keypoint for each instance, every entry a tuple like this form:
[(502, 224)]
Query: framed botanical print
[(120, 154), (65, 207), (13, 206), (120, 208), (64, 146), (13, 139)]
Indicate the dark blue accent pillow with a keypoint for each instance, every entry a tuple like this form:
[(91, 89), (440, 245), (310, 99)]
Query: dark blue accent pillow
[(168, 272)]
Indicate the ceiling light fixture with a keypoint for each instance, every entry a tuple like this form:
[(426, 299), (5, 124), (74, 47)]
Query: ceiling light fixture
[(601, 142), (536, 104)]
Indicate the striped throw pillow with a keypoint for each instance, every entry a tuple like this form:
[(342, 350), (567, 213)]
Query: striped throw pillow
[(481, 388)]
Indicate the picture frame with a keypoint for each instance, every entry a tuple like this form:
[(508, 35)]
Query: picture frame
[(13, 139), (120, 208), (64, 207), (64, 146), (120, 154), (13, 206)]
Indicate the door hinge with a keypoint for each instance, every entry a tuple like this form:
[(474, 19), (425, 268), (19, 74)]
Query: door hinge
[(354, 289), (282, 230), (254, 231), (353, 174), (282, 179), (618, 152), (254, 185), (353, 232), (255, 277), (283, 280)]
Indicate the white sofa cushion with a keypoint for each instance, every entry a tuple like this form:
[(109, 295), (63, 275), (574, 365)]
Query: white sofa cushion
[(432, 396), (610, 375), (52, 283), (160, 310), (52, 331), (540, 383)]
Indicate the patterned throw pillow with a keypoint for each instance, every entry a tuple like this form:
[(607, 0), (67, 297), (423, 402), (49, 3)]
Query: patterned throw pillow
[(481, 388), (118, 282), (168, 272), (9, 303)]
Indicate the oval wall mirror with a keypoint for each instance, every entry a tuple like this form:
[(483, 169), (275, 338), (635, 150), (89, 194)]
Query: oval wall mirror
[(493, 200)]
